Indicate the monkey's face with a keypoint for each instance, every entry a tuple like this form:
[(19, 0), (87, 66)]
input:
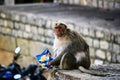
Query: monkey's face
[(59, 30)]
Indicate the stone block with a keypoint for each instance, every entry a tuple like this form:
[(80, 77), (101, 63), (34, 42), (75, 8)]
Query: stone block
[(92, 60), (48, 40), (53, 24), (5, 23), (44, 21), (39, 22), (101, 54), (22, 26), (106, 4), (23, 18), (31, 19), (49, 33), (1, 22), (8, 15), (89, 2), (107, 36), (41, 31), (27, 28), (14, 33), (109, 56), (101, 3), (10, 24), (116, 48), (8, 31), (17, 25), (83, 2), (35, 37), (71, 2), (94, 3), (96, 43), (98, 62), (34, 29), (111, 4), (91, 32), (15, 16), (0, 29), (24, 45), (65, 1), (114, 58), (92, 52), (3, 30), (89, 41), (85, 31), (112, 37), (117, 5), (110, 47), (20, 33), (26, 35), (30, 35), (7, 43), (118, 39), (2, 15), (48, 24), (104, 45), (118, 58), (99, 34), (76, 1)]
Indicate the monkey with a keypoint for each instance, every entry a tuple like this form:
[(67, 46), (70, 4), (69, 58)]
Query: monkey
[(70, 50)]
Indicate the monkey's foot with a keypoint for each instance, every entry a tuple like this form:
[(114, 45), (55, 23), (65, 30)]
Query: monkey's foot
[(53, 71)]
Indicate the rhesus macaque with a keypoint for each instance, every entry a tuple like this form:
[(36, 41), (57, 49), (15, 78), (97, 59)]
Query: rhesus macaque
[(70, 50)]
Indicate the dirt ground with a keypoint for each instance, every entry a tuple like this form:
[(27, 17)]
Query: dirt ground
[(6, 57)]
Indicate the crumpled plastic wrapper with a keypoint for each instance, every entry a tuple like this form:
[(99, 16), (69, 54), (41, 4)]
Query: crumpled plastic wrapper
[(44, 58)]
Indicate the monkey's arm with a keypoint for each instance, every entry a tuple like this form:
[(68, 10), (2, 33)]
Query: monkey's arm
[(56, 61)]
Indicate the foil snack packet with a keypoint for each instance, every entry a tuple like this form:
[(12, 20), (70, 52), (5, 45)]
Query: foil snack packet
[(44, 58)]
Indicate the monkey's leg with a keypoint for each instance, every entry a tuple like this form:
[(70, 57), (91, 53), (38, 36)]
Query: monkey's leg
[(68, 62)]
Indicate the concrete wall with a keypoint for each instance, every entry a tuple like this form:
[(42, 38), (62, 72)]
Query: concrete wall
[(33, 34), (106, 4)]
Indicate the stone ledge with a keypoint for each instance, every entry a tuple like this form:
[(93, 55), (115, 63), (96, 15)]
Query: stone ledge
[(77, 75)]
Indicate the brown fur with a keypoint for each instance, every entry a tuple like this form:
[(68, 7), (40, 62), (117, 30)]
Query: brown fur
[(71, 51), (67, 46)]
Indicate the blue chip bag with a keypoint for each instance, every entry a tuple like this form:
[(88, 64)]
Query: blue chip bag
[(44, 58)]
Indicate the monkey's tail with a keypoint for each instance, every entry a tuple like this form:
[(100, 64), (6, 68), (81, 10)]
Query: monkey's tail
[(95, 73)]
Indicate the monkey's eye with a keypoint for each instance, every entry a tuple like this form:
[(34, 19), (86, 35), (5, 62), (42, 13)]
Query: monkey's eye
[(56, 24), (58, 27)]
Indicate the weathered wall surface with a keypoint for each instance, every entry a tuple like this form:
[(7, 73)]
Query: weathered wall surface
[(106, 4), (29, 33), (34, 33)]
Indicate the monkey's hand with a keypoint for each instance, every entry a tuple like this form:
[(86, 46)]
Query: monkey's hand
[(49, 63)]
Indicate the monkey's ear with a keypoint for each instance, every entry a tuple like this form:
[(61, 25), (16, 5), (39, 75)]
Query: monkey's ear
[(63, 24)]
